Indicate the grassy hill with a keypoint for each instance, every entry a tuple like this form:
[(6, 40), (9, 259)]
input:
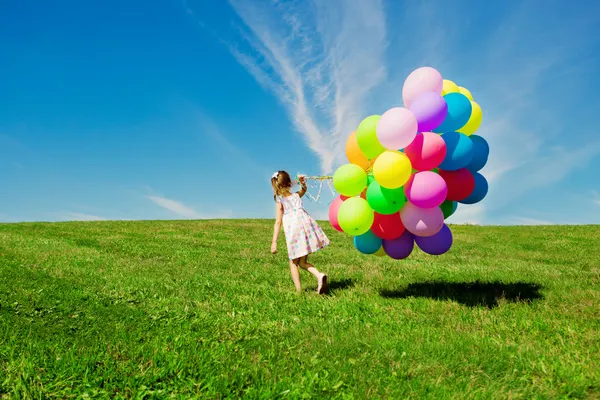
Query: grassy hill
[(200, 309)]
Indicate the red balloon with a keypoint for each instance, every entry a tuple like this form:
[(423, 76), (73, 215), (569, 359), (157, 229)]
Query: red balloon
[(388, 227), (333, 212), (461, 183)]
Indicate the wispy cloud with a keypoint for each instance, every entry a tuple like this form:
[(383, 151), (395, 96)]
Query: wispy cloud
[(320, 59), (182, 210), (175, 207)]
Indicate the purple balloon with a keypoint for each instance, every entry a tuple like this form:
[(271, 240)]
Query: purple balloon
[(430, 109), (437, 244), (422, 221), (401, 247)]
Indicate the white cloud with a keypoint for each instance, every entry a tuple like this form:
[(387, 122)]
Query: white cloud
[(185, 211)]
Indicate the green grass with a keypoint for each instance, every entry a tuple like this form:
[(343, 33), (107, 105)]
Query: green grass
[(202, 310)]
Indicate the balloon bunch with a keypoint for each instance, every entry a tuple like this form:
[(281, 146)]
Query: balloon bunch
[(409, 168)]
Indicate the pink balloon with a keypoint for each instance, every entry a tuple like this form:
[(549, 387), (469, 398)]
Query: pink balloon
[(426, 189), (422, 222), (397, 128), (427, 151), (421, 80), (333, 212)]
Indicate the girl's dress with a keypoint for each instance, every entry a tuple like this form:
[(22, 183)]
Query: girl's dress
[(302, 233)]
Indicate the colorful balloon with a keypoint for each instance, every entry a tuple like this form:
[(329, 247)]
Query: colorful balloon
[(409, 168), (426, 189), (479, 191), (392, 169), (355, 216), (421, 80), (396, 128), (474, 120), (367, 243), (437, 244), (422, 221), (388, 226), (380, 252), (481, 151), (370, 178), (366, 137), (429, 109), (354, 154), (350, 180), (459, 112), (460, 183), (399, 248), (334, 208), (383, 200), (427, 151), (466, 92), (448, 208), (459, 151), (449, 87)]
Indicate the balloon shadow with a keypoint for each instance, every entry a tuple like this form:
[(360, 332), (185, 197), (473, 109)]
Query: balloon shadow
[(472, 294)]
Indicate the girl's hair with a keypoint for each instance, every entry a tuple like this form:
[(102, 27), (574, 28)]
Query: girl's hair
[(281, 182)]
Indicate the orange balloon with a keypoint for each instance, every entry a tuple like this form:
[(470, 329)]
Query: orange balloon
[(355, 156), (364, 194)]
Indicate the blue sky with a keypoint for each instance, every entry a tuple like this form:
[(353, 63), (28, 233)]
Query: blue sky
[(183, 109)]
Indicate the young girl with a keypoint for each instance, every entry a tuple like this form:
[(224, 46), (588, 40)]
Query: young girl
[(302, 234)]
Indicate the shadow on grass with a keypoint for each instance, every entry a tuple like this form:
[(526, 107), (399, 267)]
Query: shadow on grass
[(334, 286), (472, 294)]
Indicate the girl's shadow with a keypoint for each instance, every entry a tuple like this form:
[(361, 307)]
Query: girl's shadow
[(335, 286)]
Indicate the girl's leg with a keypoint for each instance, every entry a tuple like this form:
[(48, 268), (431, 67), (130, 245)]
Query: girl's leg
[(295, 275), (323, 287)]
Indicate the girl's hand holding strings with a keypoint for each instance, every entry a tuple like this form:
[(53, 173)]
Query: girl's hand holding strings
[(274, 248)]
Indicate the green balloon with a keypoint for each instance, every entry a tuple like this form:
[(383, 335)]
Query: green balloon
[(355, 216), (448, 208), (383, 200), (366, 136), (350, 180), (370, 178)]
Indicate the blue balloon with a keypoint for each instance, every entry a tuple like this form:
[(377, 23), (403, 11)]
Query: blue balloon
[(459, 112), (459, 151), (481, 151), (479, 192), (367, 243)]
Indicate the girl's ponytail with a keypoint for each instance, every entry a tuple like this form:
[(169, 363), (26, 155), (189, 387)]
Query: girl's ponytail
[(280, 181)]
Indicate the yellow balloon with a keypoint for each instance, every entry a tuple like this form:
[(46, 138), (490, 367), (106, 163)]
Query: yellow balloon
[(449, 87), (473, 124), (466, 92), (392, 169), (380, 252)]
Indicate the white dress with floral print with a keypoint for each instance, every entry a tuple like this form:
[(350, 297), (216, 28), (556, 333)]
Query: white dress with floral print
[(302, 233)]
